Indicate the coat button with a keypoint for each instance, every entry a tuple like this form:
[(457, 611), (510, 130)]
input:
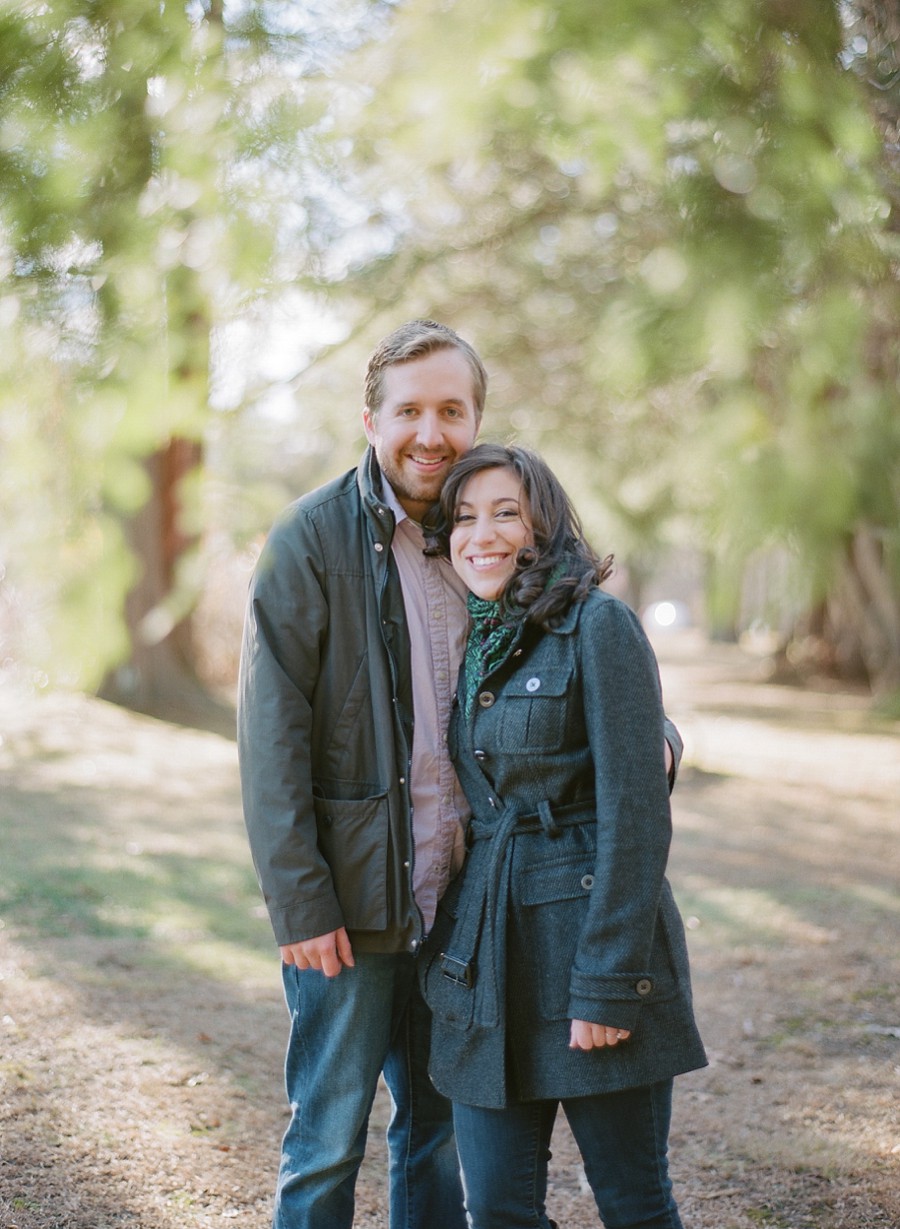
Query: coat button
[(644, 986), (486, 699), (533, 685), (480, 755), (587, 882), (379, 547)]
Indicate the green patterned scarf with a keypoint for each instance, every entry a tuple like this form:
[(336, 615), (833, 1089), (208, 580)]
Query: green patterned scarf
[(490, 639)]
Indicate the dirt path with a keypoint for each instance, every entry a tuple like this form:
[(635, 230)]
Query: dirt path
[(141, 1026)]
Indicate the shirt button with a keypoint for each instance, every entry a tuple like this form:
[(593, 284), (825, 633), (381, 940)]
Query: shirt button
[(644, 986), (486, 699), (533, 685)]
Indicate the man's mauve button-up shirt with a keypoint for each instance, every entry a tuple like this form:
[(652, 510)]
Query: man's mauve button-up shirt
[(435, 601)]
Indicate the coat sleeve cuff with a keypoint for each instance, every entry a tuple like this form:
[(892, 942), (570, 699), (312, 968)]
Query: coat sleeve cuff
[(614, 1013), (305, 919), (612, 1000)]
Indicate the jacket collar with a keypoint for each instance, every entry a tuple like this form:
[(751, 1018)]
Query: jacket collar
[(370, 482), (568, 624)]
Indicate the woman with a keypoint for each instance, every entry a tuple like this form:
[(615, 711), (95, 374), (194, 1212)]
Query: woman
[(557, 971)]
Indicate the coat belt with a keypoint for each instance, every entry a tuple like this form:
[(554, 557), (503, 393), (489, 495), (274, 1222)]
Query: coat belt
[(475, 952)]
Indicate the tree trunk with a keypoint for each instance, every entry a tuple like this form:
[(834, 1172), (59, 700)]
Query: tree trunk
[(864, 612), (159, 677)]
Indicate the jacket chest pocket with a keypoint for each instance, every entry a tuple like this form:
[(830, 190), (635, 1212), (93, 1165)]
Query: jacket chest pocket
[(532, 710)]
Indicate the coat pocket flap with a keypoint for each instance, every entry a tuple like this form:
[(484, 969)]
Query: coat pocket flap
[(566, 879), (542, 681)]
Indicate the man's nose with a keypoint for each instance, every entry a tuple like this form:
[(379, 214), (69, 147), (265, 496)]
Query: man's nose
[(429, 432)]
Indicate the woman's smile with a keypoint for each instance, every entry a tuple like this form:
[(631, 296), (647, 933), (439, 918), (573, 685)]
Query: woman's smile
[(491, 524)]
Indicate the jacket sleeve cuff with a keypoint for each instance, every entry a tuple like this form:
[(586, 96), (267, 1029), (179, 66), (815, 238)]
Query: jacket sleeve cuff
[(614, 1013), (611, 1000), (306, 919)]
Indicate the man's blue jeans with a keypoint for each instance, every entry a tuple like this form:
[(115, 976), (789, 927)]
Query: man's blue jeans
[(622, 1137), (346, 1031)]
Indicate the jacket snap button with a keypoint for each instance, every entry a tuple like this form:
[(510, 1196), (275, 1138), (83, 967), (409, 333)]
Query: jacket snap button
[(644, 986), (587, 882), (379, 547), (486, 699), (480, 755), (532, 684)]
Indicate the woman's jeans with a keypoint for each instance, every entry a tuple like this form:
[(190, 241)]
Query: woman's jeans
[(346, 1031), (622, 1137)]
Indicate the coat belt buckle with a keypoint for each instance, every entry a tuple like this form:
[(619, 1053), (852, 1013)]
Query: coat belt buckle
[(457, 970)]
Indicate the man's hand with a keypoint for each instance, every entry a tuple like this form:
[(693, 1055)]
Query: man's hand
[(670, 758), (586, 1036), (327, 953)]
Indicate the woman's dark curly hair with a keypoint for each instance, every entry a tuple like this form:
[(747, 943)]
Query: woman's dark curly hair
[(560, 549)]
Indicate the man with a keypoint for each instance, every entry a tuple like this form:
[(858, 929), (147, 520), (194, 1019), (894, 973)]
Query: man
[(355, 816), (355, 821)]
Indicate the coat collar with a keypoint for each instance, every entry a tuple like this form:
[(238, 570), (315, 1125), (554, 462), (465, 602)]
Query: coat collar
[(370, 483), (568, 624)]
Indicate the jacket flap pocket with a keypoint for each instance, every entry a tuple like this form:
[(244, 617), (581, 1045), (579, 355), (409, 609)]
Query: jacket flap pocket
[(353, 838), (541, 681), (566, 879)]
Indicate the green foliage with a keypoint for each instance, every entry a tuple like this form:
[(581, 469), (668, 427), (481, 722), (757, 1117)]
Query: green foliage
[(153, 163), (672, 233)]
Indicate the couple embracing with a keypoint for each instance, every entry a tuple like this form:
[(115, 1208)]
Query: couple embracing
[(456, 768)]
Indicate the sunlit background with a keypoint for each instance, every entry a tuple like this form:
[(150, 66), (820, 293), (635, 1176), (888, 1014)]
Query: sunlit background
[(670, 229)]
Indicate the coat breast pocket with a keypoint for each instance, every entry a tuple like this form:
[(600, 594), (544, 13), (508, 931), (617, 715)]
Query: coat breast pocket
[(534, 707)]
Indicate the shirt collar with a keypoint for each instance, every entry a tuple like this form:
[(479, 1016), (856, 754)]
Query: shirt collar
[(390, 498)]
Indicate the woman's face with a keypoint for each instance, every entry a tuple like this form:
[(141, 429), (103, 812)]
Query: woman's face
[(491, 524)]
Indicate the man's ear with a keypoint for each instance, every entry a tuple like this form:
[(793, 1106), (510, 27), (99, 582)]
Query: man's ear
[(368, 425)]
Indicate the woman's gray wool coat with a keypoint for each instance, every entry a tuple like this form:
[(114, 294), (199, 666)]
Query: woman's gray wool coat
[(562, 910)]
